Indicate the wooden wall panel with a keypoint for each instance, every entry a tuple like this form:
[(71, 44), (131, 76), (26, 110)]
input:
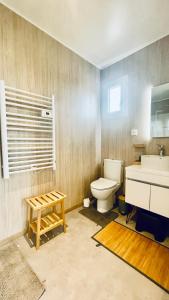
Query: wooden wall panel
[(144, 69), (31, 60)]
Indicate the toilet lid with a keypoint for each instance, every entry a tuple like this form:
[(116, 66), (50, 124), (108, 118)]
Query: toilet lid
[(103, 184)]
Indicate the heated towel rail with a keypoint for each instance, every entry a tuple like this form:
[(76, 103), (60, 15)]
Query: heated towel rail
[(27, 131)]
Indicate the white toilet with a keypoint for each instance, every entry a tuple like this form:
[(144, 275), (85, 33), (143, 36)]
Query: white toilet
[(104, 189)]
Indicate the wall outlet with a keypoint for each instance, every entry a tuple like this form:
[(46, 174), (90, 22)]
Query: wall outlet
[(134, 132)]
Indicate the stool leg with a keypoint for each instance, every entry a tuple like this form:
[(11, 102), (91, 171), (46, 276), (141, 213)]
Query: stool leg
[(54, 209), (131, 214), (63, 215), (38, 229), (29, 221)]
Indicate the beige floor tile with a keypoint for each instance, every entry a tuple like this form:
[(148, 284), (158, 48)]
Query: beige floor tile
[(73, 268)]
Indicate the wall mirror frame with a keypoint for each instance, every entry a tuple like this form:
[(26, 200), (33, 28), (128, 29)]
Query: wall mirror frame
[(160, 111)]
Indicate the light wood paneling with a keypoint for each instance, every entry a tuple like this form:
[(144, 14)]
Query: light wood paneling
[(31, 60), (142, 253), (148, 67)]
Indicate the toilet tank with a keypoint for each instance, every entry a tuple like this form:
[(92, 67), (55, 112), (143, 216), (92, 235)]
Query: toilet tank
[(113, 169)]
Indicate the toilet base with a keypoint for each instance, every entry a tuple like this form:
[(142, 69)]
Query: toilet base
[(105, 205)]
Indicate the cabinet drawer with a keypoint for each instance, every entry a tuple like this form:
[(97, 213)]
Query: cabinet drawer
[(159, 201), (138, 193)]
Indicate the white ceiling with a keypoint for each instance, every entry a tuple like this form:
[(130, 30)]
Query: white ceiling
[(101, 31)]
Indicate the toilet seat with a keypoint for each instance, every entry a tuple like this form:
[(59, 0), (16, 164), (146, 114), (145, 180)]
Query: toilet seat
[(103, 184)]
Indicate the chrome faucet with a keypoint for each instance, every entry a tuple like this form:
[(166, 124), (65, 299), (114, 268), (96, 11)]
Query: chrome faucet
[(161, 149)]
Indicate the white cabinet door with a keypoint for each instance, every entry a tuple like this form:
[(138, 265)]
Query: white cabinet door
[(159, 201), (138, 193)]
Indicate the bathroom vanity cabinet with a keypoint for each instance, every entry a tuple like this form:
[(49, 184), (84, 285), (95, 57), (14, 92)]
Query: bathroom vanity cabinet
[(143, 190), (138, 194), (159, 200)]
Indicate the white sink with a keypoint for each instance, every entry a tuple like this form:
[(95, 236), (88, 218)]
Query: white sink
[(155, 162)]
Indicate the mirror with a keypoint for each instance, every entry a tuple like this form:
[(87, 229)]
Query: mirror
[(160, 111)]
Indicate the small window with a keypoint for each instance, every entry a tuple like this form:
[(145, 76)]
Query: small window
[(114, 99)]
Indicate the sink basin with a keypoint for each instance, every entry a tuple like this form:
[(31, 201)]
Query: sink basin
[(155, 162)]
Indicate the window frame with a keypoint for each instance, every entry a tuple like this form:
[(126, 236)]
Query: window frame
[(114, 86), (106, 85)]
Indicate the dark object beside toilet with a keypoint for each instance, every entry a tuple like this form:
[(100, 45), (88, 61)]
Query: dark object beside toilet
[(123, 206), (153, 223)]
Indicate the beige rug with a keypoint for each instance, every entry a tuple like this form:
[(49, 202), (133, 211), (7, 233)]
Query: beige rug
[(17, 280)]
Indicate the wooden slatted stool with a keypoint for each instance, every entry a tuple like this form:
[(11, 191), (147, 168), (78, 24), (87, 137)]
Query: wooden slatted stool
[(43, 224)]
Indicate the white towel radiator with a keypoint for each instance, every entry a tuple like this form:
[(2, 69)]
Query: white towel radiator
[(27, 131)]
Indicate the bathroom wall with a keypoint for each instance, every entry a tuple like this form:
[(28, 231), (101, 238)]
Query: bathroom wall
[(31, 60), (142, 70)]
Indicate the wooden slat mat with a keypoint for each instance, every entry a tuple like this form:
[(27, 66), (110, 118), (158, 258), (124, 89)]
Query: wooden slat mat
[(145, 255)]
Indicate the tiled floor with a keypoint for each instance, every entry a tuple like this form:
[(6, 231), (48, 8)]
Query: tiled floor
[(73, 268)]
